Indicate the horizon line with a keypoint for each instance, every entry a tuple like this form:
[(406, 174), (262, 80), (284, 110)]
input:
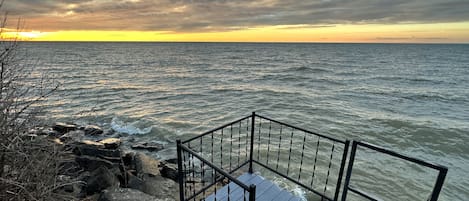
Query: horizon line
[(259, 42)]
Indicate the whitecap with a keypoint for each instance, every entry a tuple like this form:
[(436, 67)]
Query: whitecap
[(300, 193), (135, 127)]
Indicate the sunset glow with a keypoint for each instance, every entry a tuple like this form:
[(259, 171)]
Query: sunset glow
[(264, 21)]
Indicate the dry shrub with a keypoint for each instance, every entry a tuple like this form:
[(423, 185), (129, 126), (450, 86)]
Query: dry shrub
[(28, 165)]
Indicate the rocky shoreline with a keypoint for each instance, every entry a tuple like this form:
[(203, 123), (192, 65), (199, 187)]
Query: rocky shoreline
[(101, 170)]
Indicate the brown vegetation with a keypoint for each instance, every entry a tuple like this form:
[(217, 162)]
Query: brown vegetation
[(28, 163)]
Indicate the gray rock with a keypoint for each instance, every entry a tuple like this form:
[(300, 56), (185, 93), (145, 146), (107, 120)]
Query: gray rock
[(93, 130), (129, 159), (127, 194), (64, 127), (100, 179), (90, 163), (172, 160), (169, 171), (160, 187), (134, 182), (95, 149), (111, 143), (76, 135), (146, 165), (150, 146)]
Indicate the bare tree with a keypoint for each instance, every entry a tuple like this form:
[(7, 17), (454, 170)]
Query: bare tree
[(28, 166)]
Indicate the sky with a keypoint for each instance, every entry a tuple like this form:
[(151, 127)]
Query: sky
[(388, 21)]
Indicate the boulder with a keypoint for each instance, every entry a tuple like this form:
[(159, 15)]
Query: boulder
[(172, 160), (93, 130), (111, 143), (64, 127), (134, 182), (127, 194), (150, 146), (160, 187), (128, 159), (146, 165), (90, 163), (96, 149), (92, 143), (169, 170), (100, 179)]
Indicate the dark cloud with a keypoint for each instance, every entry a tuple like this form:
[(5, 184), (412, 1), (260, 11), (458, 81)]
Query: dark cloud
[(215, 15)]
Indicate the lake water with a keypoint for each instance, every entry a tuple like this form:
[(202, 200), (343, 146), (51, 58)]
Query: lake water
[(410, 98)]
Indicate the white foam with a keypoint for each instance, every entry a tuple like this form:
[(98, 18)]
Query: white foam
[(294, 189), (131, 128), (300, 193)]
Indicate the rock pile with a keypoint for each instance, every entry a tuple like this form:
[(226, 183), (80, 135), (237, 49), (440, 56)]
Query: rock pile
[(100, 170)]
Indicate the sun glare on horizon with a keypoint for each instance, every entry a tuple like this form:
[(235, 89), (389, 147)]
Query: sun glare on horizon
[(232, 21)]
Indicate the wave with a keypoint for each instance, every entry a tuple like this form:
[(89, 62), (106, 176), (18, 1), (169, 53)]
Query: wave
[(305, 69), (135, 127)]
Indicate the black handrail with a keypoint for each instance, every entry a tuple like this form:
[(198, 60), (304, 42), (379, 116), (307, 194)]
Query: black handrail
[(307, 135), (215, 129), (301, 129), (442, 171), (182, 148), (241, 134), (225, 174), (248, 131)]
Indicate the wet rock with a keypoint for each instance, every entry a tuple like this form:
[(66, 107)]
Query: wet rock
[(169, 171), (90, 163), (64, 127), (127, 194), (134, 182), (88, 144), (95, 149), (100, 179), (160, 187), (128, 159), (93, 130), (76, 135), (172, 160), (150, 146), (111, 143), (146, 165)]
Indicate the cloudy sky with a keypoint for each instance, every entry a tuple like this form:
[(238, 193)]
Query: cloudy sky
[(243, 20)]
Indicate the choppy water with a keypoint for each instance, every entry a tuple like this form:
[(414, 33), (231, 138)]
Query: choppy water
[(410, 98)]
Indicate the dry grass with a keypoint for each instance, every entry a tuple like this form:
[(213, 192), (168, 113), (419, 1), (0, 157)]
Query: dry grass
[(28, 165)]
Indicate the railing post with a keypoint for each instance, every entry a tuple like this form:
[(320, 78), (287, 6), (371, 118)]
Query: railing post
[(252, 192), (439, 184), (252, 141), (349, 170), (341, 171), (180, 171)]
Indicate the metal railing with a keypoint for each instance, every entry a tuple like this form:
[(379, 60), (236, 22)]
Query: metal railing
[(278, 147), (198, 175), (310, 160), (356, 144)]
